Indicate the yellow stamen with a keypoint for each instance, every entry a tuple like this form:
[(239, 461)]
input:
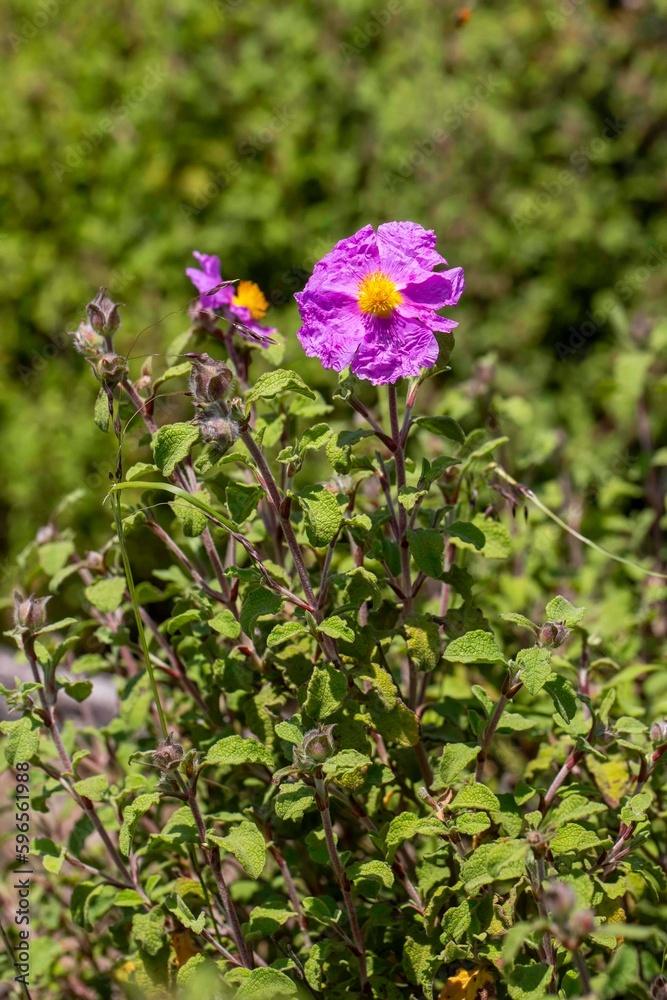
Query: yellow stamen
[(378, 295), (250, 295)]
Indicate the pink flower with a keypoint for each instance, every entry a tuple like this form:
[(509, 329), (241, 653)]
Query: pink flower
[(371, 303), (243, 306)]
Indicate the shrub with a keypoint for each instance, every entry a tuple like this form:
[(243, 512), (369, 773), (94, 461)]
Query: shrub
[(329, 774)]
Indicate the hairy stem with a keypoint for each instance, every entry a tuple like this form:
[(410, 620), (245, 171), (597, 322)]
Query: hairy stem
[(322, 797)]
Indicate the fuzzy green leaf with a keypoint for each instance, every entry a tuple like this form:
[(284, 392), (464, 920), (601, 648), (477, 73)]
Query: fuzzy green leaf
[(467, 532), (267, 984), (284, 632), (573, 837), (225, 624), (22, 741), (242, 500), (248, 846), (560, 610), (92, 788), (322, 514), (475, 796), (443, 426), (276, 383), (474, 647), (231, 751), (535, 667), (423, 640), (261, 601), (132, 813), (427, 548), (455, 758), (294, 800), (336, 628), (171, 444), (326, 690), (107, 595)]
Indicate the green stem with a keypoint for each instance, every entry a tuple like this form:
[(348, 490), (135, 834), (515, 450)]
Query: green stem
[(137, 615)]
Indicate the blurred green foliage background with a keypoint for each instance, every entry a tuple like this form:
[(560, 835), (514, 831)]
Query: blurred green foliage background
[(531, 136)]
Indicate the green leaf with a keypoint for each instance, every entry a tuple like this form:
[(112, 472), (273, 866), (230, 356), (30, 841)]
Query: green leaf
[(78, 690), (529, 982), (132, 813), (535, 667), (242, 500), (176, 905), (171, 444), (234, 750), (101, 412), (259, 602), (474, 647), (443, 426), (192, 520), (52, 856), (347, 768), (376, 871), (455, 922), (475, 796), (289, 732), (560, 610), (427, 549), (322, 514), (455, 758), (573, 837), (419, 963), (294, 800), (175, 371), (336, 628), (489, 862), (276, 383), (284, 632), (248, 846), (564, 697), (267, 920), (521, 620), (129, 898), (423, 641), (22, 741), (467, 532), (225, 624), (107, 595), (574, 807), (313, 438), (93, 788), (267, 984), (497, 541), (398, 725), (408, 496), (407, 825), (326, 691), (148, 929)]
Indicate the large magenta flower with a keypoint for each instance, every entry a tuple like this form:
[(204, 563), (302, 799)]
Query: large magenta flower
[(371, 303), (246, 302)]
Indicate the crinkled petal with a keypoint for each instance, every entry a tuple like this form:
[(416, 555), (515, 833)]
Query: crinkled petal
[(343, 268), (396, 347), (444, 288), (332, 332), (407, 252)]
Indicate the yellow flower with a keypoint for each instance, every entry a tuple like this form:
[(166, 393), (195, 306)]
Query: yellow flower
[(469, 984)]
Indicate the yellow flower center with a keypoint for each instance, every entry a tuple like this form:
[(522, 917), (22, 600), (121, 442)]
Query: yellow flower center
[(250, 295), (378, 295)]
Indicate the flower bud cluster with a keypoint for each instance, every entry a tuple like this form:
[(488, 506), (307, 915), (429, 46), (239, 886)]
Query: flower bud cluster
[(573, 924)]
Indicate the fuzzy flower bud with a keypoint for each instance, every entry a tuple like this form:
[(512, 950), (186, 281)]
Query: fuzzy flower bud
[(168, 754), (603, 736), (216, 427), (103, 313), (112, 369), (209, 379), (537, 843), (560, 900), (29, 612), (316, 747), (553, 634), (86, 340), (659, 988), (658, 732), (582, 923)]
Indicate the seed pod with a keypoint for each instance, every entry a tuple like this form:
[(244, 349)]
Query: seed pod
[(86, 340), (316, 747), (112, 369), (168, 753), (658, 732), (216, 427)]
